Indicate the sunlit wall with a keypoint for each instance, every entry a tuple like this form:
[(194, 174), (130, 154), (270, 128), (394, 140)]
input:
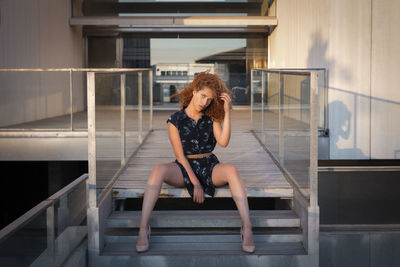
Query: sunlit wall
[(358, 42), (37, 34)]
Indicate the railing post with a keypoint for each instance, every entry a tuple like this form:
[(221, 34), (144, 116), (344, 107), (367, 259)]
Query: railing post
[(151, 98), (91, 102), (140, 107), (313, 139), (281, 141), (252, 98), (313, 209), (123, 119), (70, 101), (50, 224), (92, 211), (62, 213), (262, 100)]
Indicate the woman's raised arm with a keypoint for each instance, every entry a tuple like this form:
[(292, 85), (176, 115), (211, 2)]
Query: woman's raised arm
[(223, 134)]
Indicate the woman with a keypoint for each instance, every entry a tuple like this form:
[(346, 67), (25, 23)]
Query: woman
[(193, 132)]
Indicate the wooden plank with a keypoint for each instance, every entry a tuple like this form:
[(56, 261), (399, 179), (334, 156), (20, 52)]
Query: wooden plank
[(168, 191), (259, 173), (204, 237), (205, 218)]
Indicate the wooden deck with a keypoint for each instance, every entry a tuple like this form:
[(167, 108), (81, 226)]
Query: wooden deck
[(262, 178)]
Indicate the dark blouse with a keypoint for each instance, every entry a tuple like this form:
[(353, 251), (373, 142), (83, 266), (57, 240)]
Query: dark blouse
[(196, 138)]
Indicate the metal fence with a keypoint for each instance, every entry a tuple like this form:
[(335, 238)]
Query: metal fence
[(286, 114), (50, 231)]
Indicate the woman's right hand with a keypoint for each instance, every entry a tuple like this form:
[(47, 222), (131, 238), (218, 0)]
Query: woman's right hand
[(198, 195)]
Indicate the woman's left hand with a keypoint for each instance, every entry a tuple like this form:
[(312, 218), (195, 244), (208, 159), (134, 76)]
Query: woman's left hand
[(227, 101)]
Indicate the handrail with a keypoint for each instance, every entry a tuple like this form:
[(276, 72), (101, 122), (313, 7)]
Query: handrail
[(24, 219), (297, 72), (35, 211), (304, 71), (71, 186)]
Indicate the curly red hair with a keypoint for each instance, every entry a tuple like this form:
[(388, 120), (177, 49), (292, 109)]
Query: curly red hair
[(205, 79)]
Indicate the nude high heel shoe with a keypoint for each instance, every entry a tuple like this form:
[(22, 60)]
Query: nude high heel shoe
[(143, 248), (246, 248)]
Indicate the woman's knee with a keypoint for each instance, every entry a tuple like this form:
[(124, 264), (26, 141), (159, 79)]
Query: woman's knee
[(158, 173), (232, 172)]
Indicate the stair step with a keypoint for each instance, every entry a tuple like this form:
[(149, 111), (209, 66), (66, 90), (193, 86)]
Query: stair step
[(204, 218), (210, 238), (205, 248)]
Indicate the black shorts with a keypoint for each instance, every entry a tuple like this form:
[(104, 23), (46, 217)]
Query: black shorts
[(202, 168)]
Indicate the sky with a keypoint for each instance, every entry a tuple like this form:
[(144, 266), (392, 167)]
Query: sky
[(187, 50)]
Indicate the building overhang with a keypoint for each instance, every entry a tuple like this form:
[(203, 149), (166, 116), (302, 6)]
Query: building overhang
[(154, 21)]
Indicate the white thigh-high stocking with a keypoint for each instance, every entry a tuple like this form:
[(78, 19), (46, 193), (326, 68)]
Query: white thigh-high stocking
[(243, 208), (150, 197)]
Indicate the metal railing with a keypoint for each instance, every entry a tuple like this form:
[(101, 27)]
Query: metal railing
[(117, 114), (50, 231), (284, 114), (117, 125), (113, 106), (54, 99)]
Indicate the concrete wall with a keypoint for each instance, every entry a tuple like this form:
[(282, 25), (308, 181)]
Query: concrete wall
[(358, 248), (357, 42), (36, 34), (385, 86)]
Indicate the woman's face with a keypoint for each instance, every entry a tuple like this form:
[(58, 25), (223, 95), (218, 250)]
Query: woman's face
[(202, 98)]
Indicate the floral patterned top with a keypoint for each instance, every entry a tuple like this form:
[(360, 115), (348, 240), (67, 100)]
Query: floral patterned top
[(196, 138)]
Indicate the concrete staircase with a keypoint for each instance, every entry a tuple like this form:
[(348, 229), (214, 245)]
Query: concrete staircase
[(204, 232)]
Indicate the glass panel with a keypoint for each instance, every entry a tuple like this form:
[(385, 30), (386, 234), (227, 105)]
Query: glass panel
[(35, 100), (256, 90), (146, 102), (285, 120), (70, 221), (79, 100), (271, 113), (57, 228), (322, 101), (108, 127), (295, 116), (132, 113), (26, 244)]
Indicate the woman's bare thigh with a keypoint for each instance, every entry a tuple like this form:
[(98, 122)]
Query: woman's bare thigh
[(220, 174), (173, 175)]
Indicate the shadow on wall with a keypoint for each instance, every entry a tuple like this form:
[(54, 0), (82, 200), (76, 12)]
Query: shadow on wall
[(343, 117), (339, 123), (342, 130)]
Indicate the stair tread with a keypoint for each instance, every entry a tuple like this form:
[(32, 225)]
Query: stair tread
[(205, 248), (198, 238), (205, 214), (205, 218), (203, 231)]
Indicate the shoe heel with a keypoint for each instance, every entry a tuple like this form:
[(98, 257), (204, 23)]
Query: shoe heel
[(143, 248), (246, 248)]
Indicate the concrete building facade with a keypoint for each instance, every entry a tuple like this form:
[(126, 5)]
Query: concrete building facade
[(357, 42)]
